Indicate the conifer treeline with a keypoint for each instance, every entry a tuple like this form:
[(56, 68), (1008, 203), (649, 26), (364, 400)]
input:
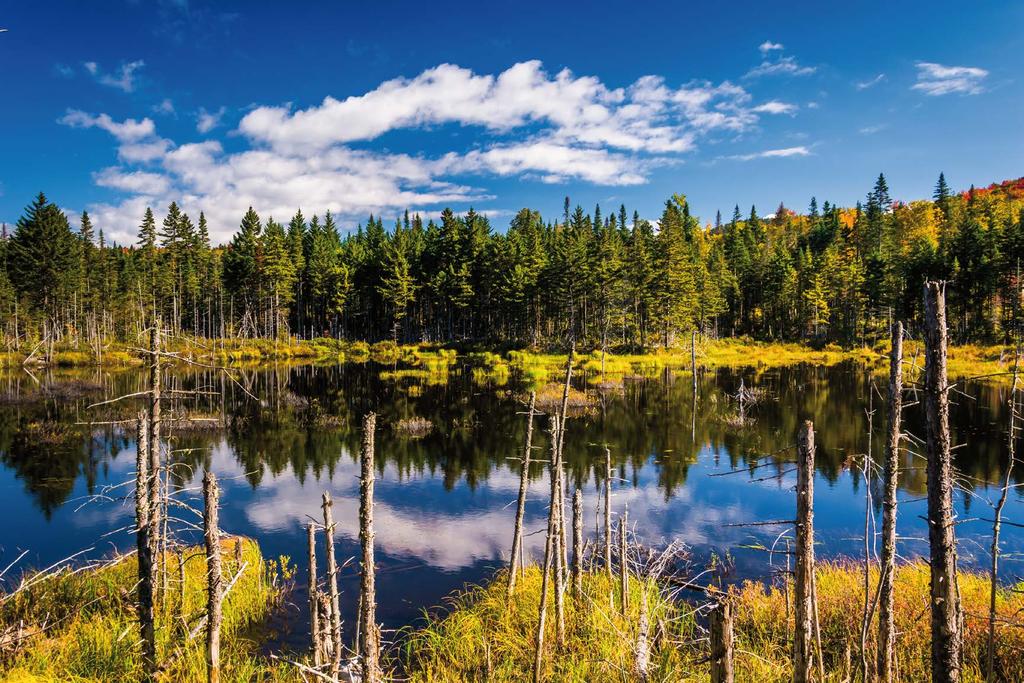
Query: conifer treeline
[(830, 274)]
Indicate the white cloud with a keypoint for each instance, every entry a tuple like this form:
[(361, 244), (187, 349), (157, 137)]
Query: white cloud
[(138, 139), (128, 130), (533, 125), (776, 107), (938, 79), (208, 120), (784, 66), (123, 80), (138, 182), (800, 151), (646, 116), (870, 83), (768, 46), (165, 107), (552, 162), (871, 130)]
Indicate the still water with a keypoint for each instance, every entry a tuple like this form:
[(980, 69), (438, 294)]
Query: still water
[(278, 437)]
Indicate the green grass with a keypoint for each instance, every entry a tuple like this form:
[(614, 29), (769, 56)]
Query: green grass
[(85, 626), (482, 637)]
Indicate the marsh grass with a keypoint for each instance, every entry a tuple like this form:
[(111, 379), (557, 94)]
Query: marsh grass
[(481, 637), (84, 624)]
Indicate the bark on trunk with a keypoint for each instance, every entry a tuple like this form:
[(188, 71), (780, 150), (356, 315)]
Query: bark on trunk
[(804, 601), (577, 543), (524, 483), (314, 613), (332, 586), (887, 572), (549, 551), (623, 562), (608, 511), (145, 552), (945, 600), (367, 591), (721, 643), (214, 581)]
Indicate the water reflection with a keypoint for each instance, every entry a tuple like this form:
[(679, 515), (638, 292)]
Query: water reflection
[(444, 502)]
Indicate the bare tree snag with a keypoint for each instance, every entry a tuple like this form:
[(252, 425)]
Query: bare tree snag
[(623, 561), (804, 600), (887, 572), (945, 597), (721, 643), (549, 550), (367, 591), (154, 439), (524, 483), (577, 543), (332, 586), (997, 522), (214, 580), (693, 360), (144, 598), (314, 613), (608, 511)]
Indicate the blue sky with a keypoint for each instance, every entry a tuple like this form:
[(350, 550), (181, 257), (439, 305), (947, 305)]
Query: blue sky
[(360, 107)]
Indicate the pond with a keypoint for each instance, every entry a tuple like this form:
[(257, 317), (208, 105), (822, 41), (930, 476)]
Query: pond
[(685, 468)]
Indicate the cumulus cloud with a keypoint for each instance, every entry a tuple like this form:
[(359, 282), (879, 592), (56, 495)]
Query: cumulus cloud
[(768, 46), (123, 79), (646, 116), (128, 130), (139, 182), (938, 79), (208, 120), (799, 151), (138, 140), (532, 124), (551, 162)]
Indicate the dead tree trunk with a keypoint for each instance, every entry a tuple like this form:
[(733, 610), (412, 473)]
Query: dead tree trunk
[(314, 613), (214, 581), (623, 562), (332, 586), (562, 534), (721, 643), (608, 511), (804, 601), (997, 522), (887, 572), (367, 591), (693, 360), (323, 638), (945, 599), (145, 552), (524, 483), (549, 551), (154, 440), (577, 543)]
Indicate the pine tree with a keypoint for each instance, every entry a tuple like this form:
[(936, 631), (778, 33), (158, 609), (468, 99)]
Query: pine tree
[(44, 261), (242, 263)]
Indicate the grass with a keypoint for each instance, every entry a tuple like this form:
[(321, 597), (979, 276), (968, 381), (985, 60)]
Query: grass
[(85, 629), (483, 638), (431, 365)]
